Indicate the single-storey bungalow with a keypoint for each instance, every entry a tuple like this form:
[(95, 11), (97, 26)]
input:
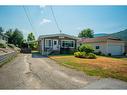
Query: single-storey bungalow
[(57, 43), (106, 45)]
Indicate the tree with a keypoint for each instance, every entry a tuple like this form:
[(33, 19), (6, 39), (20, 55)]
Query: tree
[(17, 37), (1, 30), (9, 33), (32, 41), (87, 33)]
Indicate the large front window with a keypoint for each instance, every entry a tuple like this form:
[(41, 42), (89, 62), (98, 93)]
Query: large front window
[(48, 43), (67, 43)]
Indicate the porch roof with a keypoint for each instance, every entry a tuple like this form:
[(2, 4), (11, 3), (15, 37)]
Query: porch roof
[(59, 35)]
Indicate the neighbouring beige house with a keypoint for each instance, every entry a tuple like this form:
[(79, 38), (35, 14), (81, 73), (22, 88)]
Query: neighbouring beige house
[(106, 45), (57, 43), (3, 38)]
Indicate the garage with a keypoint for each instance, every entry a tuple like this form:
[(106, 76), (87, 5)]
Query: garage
[(115, 49)]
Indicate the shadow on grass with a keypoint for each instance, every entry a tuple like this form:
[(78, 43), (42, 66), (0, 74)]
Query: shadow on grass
[(37, 54)]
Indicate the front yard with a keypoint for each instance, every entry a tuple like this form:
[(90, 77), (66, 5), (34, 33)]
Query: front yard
[(101, 66)]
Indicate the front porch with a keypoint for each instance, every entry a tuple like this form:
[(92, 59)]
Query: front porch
[(56, 46)]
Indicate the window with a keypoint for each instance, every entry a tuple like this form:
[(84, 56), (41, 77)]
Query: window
[(67, 43), (55, 42), (97, 47), (48, 43)]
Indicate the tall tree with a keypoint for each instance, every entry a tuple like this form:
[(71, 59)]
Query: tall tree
[(9, 33), (86, 33), (32, 41), (17, 37)]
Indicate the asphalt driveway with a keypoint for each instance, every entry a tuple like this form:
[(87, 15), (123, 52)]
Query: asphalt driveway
[(38, 72)]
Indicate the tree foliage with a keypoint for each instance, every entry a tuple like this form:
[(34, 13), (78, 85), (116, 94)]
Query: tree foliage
[(15, 37), (32, 41), (86, 33), (86, 48)]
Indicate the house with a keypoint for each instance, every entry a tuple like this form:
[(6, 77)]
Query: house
[(106, 45), (3, 38), (57, 43)]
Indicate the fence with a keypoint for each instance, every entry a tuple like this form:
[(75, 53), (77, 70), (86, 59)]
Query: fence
[(6, 57)]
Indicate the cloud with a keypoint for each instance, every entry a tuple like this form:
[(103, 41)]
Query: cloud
[(44, 21)]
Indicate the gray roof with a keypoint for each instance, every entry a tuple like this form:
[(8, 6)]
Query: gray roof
[(54, 35)]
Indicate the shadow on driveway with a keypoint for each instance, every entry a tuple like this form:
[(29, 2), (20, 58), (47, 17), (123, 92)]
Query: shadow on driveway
[(37, 55)]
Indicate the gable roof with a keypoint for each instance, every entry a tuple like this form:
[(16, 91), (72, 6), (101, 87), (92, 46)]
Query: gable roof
[(98, 39), (60, 35)]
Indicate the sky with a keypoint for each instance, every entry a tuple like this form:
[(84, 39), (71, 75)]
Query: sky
[(71, 19)]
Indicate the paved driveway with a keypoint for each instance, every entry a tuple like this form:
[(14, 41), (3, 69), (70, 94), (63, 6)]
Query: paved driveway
[(37, 72)]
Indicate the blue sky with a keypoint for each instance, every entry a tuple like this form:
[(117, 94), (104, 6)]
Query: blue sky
[(71, 19)]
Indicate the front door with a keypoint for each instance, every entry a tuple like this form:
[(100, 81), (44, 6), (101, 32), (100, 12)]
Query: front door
[(55, 45)]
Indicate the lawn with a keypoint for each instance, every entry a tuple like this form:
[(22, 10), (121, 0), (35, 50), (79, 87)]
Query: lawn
[(101, 66)]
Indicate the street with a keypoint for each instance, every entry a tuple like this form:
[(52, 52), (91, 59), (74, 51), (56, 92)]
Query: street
[(37, 72)]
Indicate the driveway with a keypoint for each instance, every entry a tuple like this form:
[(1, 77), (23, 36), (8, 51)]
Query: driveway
[(38, 72)]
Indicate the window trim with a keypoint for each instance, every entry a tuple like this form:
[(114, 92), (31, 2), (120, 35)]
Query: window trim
[(68, 40), (48, 44)]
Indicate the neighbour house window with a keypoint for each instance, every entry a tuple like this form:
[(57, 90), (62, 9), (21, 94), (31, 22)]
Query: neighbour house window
[(68, 43), (48, 43), (97, 47)]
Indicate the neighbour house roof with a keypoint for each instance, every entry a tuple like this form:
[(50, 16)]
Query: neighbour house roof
[(60, 35), (98, 39)]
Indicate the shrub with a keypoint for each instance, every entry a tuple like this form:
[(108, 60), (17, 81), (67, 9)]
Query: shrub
[(91, 56), (86, 48), (124, 53), (80, 54), (3, 45), (84, 55), (109, 54), (11, 46)]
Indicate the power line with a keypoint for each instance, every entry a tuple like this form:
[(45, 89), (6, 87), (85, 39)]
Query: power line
[(29, 18), (55, 19)]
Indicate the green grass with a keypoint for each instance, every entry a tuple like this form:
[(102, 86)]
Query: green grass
[(91, 69)]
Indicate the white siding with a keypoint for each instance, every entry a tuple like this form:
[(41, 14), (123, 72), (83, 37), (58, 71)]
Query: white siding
[(102, 47), (116, 48)]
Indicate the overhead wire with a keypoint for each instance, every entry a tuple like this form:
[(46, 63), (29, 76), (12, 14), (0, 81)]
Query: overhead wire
[(29, 19), (55, 20)]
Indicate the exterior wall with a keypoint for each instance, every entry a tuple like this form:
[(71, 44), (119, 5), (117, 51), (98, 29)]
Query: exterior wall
[(112, 46), (102, 47), (43, 47), (126, 47), (109, 47)]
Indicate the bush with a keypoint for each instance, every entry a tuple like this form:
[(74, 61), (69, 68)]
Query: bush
[(80, 54), (109, 54), (11, 46), (91, 56), (86, 48), (84, 55), (3, 45)]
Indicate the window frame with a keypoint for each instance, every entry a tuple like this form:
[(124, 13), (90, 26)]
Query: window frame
[(47, 44), (66, 46), (98, 47)]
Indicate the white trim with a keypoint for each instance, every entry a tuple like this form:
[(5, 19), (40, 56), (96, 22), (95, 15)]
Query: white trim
[(69, 40), (57, 45), (47, 46)]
